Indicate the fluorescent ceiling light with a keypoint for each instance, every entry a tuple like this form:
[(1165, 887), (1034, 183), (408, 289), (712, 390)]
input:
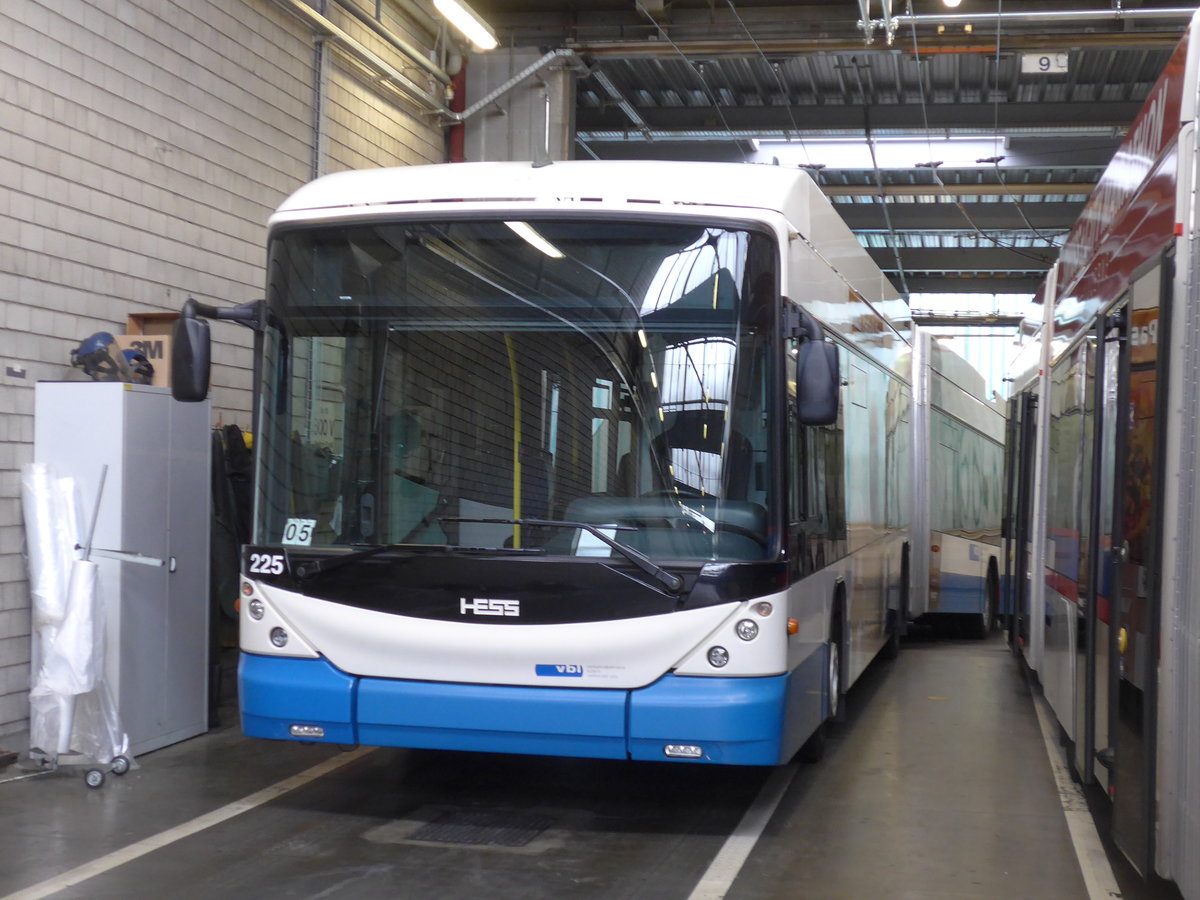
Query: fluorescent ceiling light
[(467, 21), (535, 239)]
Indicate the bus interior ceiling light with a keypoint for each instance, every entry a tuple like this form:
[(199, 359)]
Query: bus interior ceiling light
[(466, 20), (526, 232)]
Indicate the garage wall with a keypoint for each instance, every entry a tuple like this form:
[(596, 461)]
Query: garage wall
[(143, 145)]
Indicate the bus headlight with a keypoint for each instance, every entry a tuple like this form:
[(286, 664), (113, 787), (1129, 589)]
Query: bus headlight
[(279, 637), (256, 609), (718, 657), (746, 629)]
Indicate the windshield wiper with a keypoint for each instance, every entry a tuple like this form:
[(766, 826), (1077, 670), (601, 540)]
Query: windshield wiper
[(669, 580)]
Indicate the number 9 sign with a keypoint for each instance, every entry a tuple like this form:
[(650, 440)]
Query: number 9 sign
[(1049, 63)]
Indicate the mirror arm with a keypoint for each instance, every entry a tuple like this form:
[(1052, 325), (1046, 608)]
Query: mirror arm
[(799, 323), (253, 314)]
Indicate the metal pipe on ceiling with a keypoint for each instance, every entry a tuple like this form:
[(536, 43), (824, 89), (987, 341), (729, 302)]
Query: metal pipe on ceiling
[(529, 71), (364, 55), (369, 58), (890, 25), (395, 40)]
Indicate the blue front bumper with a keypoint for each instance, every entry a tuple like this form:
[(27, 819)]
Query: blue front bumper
[(737, 721)]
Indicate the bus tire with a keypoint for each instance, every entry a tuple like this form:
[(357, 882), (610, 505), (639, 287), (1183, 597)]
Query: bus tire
[(836, 662), (813, 749), (983, 622)]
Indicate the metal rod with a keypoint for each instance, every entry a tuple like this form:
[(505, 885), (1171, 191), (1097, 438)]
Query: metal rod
[(527, 72), (87, 548)]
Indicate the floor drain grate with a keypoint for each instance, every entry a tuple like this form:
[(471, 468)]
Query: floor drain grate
[(483, 828)]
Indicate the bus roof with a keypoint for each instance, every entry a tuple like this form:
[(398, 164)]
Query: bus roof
[(737, 186)]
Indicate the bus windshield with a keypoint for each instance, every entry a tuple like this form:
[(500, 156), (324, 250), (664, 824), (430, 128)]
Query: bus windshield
[(424, 379)]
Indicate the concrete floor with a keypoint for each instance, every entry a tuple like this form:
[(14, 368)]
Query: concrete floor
[(937, 785)]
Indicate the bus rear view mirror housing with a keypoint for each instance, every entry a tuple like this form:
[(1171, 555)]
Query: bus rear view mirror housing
[(191, 356), (191, 344), (817, 383)]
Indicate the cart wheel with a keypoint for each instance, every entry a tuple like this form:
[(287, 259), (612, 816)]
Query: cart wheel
[(93, 778), (120, 765)]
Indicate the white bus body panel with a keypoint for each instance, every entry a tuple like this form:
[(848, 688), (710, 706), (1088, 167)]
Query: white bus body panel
[(625, 653)]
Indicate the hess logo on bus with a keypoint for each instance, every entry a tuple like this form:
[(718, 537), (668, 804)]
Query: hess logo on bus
[(482, 607)]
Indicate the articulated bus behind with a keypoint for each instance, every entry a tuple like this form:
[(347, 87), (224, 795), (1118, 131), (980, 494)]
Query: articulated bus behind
[(958, 487)]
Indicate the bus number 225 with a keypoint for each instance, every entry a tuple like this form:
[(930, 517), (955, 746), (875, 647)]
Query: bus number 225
[(266, 564)]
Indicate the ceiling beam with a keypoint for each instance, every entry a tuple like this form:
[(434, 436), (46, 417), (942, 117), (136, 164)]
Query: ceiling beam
[(965, 259), (974, 319), (607, 123), (958, 190), (1004, 215), (981, 41), (968, 284)]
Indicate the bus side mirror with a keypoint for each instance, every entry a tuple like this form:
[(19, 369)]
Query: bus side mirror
[(191, 356), (818, 383)]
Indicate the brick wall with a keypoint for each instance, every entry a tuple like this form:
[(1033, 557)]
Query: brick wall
[(143, 145)]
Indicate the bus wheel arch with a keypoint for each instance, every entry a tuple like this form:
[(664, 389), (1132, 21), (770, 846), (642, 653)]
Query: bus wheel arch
[(813, 749)]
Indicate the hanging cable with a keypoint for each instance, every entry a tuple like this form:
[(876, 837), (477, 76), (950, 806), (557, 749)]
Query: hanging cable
[(787, 97), (699, 75), (883, 203), (998, 158), (1049, 239), (933, 166)]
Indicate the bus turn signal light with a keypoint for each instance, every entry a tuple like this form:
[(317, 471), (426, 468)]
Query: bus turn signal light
[(793, 626)]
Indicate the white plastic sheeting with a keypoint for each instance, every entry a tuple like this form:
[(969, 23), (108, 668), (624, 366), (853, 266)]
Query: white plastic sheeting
[(72, 712)]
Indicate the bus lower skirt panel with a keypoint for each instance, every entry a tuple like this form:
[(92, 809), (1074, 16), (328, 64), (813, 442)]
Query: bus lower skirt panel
[(961, 594), (733, 721)]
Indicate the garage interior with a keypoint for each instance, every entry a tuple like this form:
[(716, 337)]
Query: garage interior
[(142, 149)]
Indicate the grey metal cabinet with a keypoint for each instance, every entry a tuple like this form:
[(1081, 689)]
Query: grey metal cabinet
[(156, 503)]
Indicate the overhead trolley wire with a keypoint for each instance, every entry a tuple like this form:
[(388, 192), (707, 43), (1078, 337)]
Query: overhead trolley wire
[(883, 203), (996, 159), (932, 165), (787, 96), (692, 66)]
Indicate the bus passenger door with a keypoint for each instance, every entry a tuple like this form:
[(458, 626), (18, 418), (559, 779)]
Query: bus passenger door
[(1133, 582), (1107, 549), (1021, 445)]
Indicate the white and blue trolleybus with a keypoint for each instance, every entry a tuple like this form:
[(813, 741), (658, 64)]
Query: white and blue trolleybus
[(603, 459)]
